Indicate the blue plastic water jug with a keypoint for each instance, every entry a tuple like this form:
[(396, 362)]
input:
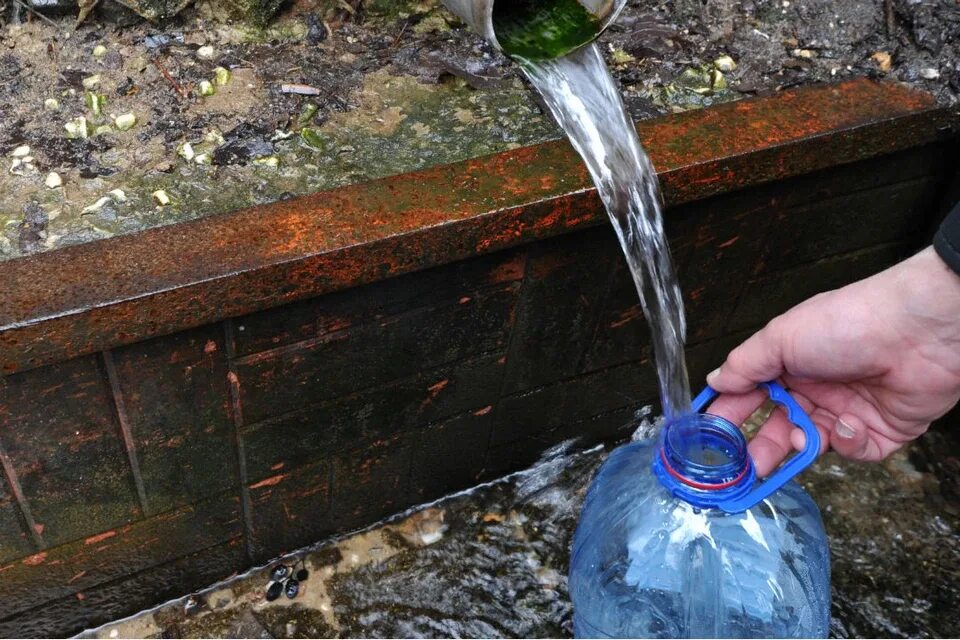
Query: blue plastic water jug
[(678, 539)]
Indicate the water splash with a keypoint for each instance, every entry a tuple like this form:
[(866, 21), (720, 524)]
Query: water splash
[(585, 100)]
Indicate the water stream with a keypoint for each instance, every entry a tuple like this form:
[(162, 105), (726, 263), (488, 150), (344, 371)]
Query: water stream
[(585, 100)]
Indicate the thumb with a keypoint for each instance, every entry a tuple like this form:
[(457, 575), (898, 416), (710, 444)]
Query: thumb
[(849, 437), (757, 360)]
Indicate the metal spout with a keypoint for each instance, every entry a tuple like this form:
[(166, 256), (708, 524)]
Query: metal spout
[(479, 14)]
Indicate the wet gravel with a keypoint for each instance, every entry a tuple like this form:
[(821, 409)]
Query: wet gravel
[(492, 562)]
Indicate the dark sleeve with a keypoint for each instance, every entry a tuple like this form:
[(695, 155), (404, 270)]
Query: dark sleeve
[(947, 240)]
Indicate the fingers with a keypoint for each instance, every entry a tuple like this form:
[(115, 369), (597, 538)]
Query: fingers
[(849, 437), (737, 408), (771, 445), (852, 438), (757, 360)]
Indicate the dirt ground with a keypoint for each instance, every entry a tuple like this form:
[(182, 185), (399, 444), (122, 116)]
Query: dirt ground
[(333, 93)]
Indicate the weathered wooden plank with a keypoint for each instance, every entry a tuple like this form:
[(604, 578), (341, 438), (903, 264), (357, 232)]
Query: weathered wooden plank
[(127, 595), (60, 432), (531, 448), (14, 540), (376, 353), (572, 400), (565, 279), (338, 311), (451, 455), (319, 430), (291, 509), (175, 392), (65, 570), (771, 295), (371, 484), (848, 223)]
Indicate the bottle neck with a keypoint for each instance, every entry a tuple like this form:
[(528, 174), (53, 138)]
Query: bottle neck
[(703, 460)]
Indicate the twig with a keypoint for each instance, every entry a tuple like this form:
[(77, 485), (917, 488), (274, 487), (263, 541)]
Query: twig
[(166, 74), (888, 14), (396, 43), (37, 13)]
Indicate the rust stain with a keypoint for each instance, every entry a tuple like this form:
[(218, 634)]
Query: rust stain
[(729, 243), (93, 296), (76, 577), (438, 387), (626, 317), (106, 535), (35, 559), (269, 482)]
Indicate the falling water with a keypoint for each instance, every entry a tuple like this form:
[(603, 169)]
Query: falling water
[(584, 98)]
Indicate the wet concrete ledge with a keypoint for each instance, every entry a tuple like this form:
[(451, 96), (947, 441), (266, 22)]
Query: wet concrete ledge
[(84, 299)]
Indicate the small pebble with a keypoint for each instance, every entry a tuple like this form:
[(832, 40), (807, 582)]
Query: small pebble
[(51, 104), (99, 51), (186, 151), (53, 180), (125, 121), (78, 128), (929, 74), (161, 198), (207, 88), (205, 52), (91, 81), (118, 195), (883, 60), (725, 64), (21, 152)]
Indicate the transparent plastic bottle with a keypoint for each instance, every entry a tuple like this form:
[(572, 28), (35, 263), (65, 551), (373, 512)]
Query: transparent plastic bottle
[(677, 539)]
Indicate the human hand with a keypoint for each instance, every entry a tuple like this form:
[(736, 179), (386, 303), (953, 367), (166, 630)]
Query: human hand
[(873, 363)]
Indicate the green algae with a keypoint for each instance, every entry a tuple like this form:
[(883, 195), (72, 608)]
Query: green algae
[(535, 30)]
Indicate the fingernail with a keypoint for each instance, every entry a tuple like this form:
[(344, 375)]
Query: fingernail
[(713, 375), (844, 430)]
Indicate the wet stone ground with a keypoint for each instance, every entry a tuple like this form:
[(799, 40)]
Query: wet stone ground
[(492, 562), (336, 92)]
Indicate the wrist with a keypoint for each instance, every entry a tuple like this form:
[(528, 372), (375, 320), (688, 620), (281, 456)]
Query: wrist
[(930, 293)]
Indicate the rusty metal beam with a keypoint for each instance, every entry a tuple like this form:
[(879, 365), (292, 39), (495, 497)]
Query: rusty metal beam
[(100, 295)]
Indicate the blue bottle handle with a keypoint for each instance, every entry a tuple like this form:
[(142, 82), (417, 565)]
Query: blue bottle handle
[(792, 468)]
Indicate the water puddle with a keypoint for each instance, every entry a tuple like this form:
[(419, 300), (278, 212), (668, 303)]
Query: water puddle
[(492, 562)]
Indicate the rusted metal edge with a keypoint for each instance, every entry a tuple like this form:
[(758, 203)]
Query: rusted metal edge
[(100, 295)]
